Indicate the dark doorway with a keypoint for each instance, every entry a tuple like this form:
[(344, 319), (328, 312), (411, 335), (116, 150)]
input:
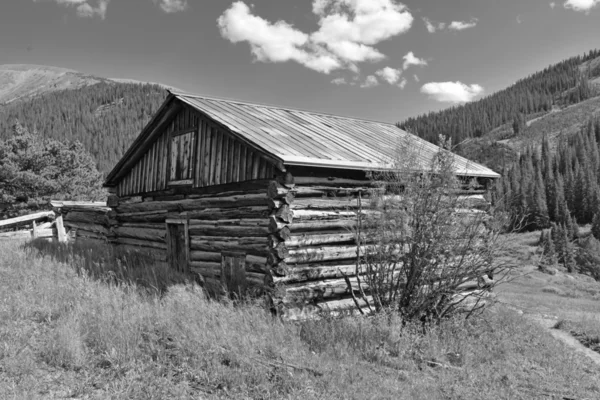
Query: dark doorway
[(178, 245)]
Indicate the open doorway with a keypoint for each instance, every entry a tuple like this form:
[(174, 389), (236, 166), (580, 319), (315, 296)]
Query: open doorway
[(178, 245)]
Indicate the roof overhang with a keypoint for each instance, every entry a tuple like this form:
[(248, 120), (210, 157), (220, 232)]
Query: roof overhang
[(365, 166)]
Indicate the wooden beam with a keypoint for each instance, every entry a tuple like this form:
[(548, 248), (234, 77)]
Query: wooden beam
[(60, 229), (11, 222)]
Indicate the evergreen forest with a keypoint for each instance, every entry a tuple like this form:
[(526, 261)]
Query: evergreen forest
[(562, 84), (105, 118)]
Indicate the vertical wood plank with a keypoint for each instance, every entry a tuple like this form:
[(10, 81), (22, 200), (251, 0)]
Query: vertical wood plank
[(235, 175), (249, 164), (199, 156), (242, 161), (191, 155), (184, 156), (216, 164), (262, 168), (207, 156), (60, 229), (144, 171), (150, 171), (224, 160), (155, 165), (233, 272), (255, 165), (134, 186), (172, 159), (159, 160), (230, 160)]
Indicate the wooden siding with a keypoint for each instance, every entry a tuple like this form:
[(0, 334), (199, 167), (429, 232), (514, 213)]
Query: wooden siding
[(193, 151)]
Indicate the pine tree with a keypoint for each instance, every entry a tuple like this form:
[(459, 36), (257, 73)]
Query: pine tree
[(596, 225)]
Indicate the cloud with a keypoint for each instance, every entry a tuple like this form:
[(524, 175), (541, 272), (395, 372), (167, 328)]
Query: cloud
[(552, 5), (416, 78), (370, 82), (339, 81), (348, 31), (452, 92), (519, 19), (172, 6), (390, 75), (461, 25), (431, 28), (410, 59), (581, 5), (402, 83), (86, 8)]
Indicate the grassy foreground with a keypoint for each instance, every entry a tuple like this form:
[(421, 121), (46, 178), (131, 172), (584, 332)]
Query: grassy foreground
[(65, 334)]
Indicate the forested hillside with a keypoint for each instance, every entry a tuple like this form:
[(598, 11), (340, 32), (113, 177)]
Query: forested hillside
[(105, 118), (562, 84)]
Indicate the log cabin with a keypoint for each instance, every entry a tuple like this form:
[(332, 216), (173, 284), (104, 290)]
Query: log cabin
[(250, 195)]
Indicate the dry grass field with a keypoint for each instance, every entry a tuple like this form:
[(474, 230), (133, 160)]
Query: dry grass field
[(78, 327)]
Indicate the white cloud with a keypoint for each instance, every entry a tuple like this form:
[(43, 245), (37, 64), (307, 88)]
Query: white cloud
[(402, 83), (416, 78), (552, 5), (461, 25), (452, 92), (390, 75), (370, 82), (86, 8), (348, 31), (410, 59), (172, 6), (519, 19), (581, 5), (339, 81), (431, 28)]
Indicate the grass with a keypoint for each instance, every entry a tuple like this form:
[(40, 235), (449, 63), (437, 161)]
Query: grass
[(573, 300), (67, 332)]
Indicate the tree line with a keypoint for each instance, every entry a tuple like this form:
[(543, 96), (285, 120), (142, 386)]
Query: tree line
[(104, 118), (564, 83)]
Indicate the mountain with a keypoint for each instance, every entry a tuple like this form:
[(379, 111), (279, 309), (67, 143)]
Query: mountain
[(104, 115), (557, 100), (20, 81)]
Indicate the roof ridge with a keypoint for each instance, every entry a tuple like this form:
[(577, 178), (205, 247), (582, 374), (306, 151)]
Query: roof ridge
[(247, 103)]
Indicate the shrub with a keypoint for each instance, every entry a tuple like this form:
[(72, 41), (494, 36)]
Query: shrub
[(422, 243)]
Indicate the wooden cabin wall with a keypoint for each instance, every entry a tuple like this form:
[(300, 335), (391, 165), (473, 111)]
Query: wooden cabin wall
[(312, 243), (86, 222), (224, 218), (193, 151)]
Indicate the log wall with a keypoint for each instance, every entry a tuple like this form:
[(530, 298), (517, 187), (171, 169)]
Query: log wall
[(312, 243), (192, 151)]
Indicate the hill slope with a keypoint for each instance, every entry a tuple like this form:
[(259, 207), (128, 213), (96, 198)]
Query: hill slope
[(105, 117), (504, 114), (19, 81)]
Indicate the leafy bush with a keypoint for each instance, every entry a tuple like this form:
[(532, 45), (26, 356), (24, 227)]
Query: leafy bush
[(34, 170), (422, 243)]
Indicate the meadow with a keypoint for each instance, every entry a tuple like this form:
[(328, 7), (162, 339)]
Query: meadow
[(102, 325)]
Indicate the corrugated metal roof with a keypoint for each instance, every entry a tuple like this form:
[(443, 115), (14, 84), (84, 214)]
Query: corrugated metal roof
[(306, 138)]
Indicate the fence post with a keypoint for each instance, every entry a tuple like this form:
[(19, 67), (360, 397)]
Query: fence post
[(60, 229)]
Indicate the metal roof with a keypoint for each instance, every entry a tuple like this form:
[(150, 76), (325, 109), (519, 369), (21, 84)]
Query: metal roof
[(304, 138)]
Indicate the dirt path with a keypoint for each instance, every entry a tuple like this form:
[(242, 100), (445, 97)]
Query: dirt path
[(548, 322)]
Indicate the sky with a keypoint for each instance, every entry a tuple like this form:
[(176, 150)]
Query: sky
[(381, 60)]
